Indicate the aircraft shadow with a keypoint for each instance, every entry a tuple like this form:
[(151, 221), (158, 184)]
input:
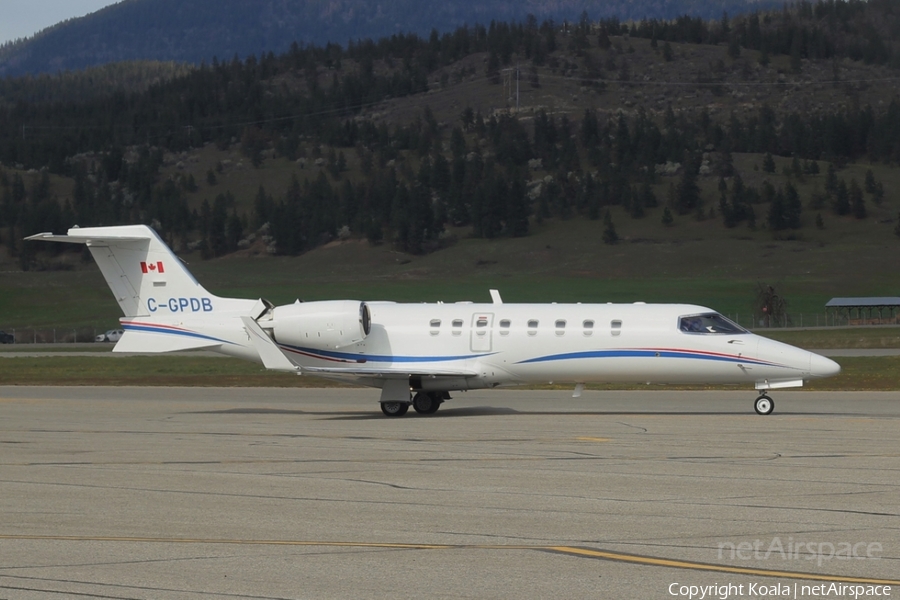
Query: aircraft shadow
[(471, 411), (249, 411), (494, 411), (490, 411), (497, 411)]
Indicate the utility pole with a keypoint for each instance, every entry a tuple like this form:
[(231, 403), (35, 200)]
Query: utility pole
[(517, 88), (507, 85)]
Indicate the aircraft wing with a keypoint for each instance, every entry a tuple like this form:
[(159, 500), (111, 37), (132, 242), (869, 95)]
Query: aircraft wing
[(387, 373), (269, 353)]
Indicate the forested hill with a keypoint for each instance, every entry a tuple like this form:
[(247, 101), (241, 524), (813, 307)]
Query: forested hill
[(758, 122), (197, 30)]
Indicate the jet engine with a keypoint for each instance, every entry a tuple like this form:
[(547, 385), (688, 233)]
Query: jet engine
[(322, 325)]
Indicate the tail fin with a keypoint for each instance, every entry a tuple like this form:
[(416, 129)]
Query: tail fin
[(144, 275)]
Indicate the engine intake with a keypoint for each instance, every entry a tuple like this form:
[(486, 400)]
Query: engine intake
[(323, 325)]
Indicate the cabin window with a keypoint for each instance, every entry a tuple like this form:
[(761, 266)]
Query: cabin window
[(532, 327), (588, 327), (481, 324), (711, 323), (435, 326), (504, 327), (457, 326), (615, 327), (561, 327)]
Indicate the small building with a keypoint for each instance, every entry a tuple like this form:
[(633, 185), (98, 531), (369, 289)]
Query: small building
[(876, 310)]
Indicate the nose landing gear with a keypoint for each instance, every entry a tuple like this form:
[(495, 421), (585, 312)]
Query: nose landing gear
[(764, 405)]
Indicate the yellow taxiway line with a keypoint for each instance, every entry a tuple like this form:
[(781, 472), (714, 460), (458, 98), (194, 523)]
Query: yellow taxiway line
[(564, 550)]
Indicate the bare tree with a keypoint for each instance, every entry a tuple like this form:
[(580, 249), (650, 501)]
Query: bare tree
[(769, 308)]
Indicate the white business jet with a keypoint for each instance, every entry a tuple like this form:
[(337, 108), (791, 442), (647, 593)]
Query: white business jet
[(418, 353)]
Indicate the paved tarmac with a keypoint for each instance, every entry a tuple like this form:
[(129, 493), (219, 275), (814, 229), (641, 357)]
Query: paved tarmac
[(177, 493)]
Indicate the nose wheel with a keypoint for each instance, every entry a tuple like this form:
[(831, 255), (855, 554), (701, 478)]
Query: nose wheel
[(764, 405)]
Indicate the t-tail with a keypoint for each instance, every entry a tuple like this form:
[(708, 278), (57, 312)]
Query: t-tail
[(165, 308)]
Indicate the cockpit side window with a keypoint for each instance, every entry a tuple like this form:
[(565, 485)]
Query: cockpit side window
[(710, 323)]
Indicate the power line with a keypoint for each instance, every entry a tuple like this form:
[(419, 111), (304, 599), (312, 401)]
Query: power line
[(441, 90)]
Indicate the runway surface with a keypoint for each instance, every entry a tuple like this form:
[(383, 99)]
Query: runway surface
[(175, 493)]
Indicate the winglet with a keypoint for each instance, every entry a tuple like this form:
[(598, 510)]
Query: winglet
[(272, 357), (495, 297)]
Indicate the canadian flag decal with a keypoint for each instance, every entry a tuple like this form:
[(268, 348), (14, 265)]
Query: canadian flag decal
[(156, 267)]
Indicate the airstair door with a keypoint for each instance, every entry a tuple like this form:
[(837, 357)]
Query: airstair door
[(482, 326)]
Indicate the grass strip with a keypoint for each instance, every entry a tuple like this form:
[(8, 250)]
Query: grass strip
[(863, 338), (147, 371), (876, 373)]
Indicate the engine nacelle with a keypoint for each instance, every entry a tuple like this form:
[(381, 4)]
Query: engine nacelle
[(323, 325)]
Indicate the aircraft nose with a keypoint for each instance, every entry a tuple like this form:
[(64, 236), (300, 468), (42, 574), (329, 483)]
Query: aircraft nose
[(819, 366)]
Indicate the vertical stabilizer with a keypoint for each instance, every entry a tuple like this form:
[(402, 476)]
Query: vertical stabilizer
[(142, 272)]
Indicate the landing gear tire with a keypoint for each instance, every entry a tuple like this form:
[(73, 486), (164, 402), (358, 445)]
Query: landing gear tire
[(426, 404), (394, 409), (764, 405)]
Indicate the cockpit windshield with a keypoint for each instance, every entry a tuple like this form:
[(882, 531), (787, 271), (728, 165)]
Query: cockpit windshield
[(708, 324)]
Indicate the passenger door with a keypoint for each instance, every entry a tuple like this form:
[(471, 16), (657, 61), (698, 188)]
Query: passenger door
[(482, 327)]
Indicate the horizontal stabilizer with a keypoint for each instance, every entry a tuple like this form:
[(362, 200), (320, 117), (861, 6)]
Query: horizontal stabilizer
[(143, 341), (94, 240)]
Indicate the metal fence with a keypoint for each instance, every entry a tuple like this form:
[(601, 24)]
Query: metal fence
[(808, 320), (69, 335)]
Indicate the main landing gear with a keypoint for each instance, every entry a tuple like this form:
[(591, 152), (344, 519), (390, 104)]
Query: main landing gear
[(394, 409), (764, 405), (424, 403), (427, 403)]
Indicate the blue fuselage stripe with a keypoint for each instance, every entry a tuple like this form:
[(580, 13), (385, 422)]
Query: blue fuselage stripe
[(153, 329), (645, 354)]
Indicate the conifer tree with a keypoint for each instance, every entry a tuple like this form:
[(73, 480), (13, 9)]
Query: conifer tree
[(687, 195), (667, 53), (870, 181), (792, 207), (776, 217), (857, 200), (841, 199), (609, 231), (831, 182), (648, 198), (667, 218)]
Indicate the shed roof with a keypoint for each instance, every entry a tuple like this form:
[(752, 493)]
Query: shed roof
[(866, 301)]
